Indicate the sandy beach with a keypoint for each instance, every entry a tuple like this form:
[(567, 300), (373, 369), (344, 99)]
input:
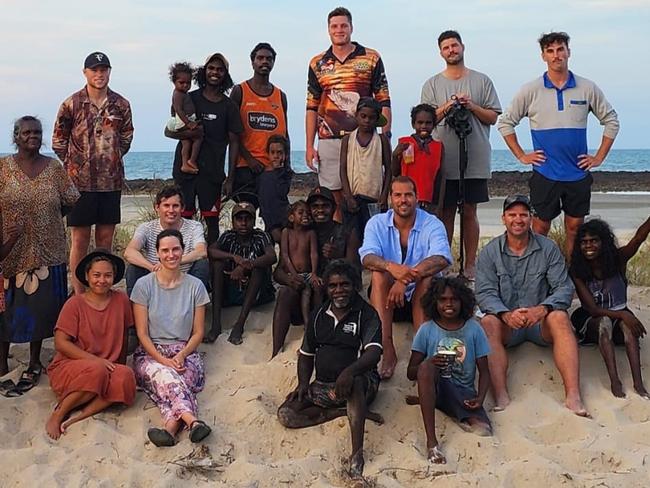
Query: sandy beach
[(537, 442)]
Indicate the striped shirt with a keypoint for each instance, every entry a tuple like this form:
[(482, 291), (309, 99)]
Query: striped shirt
[(145, 236)]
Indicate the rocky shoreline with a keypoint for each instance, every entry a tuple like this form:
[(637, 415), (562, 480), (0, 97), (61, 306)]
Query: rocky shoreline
[(502, 183)]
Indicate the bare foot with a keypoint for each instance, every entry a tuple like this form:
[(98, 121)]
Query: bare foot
[(577, 407), (388, 364), (187, 168), (502, 402), (356, 464), (412, 399), (436, 456), (235, 336), (640, 389), (53, 427), (375, 417), (476, 426), (617, 389)]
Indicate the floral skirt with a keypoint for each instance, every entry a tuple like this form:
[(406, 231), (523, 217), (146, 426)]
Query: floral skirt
[(174, 393), (33, 300)]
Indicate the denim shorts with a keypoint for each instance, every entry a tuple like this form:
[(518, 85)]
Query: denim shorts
[(527, 334)]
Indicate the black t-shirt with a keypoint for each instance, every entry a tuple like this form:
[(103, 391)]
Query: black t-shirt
[(218, 119), (337, 345), (334, 233)]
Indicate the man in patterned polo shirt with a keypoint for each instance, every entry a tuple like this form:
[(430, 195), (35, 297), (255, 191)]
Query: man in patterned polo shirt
[(337, 78), (92, 133)]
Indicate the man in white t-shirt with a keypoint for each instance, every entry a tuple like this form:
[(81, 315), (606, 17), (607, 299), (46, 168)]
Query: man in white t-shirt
[(140, 253)]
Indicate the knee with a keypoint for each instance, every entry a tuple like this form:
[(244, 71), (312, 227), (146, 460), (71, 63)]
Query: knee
[(427, 372), (558, 321), (492, 326)]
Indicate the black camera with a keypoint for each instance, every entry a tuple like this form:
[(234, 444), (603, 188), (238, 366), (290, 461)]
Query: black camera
[(457, 117)]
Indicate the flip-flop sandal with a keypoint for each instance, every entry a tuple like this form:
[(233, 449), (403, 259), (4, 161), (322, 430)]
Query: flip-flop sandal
[(436, 456), (160, 437), (199, 430), (29, 379), (8, 389)]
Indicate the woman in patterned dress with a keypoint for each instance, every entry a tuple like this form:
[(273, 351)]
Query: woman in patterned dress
[(35, 193), (169, 313)]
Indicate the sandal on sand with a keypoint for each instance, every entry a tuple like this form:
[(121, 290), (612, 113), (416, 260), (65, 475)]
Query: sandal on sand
[(436, 456), (160, 437), (199, 430), (29, 379), (8, 389)]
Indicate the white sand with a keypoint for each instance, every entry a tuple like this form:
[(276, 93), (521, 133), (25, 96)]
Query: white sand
[(537, 442)]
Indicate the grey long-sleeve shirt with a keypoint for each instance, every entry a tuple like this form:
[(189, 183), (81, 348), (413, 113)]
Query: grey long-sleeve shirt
[(505, 281)]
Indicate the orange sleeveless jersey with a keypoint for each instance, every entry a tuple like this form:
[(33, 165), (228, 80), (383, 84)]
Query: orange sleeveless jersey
[(261, 117), (424, 169)]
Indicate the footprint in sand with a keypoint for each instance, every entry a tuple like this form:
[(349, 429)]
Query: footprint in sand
[(636, 411), (565, 429)]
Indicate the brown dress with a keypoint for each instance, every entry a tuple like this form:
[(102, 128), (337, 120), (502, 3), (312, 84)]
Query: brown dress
[(101, 333)]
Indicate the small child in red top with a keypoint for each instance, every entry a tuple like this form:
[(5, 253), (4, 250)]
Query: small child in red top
[(299, 254), (419, 156)]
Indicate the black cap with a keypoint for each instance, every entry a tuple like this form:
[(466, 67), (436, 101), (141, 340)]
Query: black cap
[(96, 59), (321, 192), (514, 199), (118, 263)]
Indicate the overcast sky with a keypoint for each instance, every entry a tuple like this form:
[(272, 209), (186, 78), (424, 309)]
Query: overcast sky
[(44, 45)]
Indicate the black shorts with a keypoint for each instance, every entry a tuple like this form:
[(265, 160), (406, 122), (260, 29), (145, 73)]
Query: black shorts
[(244, 187), (208, 192), (588, 334), (476, 191), (273, 188), (323, 394), (548, 198), (96, 207)]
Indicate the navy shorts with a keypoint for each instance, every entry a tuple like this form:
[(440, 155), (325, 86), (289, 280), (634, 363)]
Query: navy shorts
[(96, 207), (548, 198), (272, 190), (208, 193), (476, 191), (450, 397)]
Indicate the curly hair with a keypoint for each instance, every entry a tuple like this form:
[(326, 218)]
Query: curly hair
[(609, 258), (549, 38), (460, 291), (342, 267), (292, 208), (423, 107), (224, 87), (178, 68)]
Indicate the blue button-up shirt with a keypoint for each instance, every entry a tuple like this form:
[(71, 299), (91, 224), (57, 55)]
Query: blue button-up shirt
[(427, 238)]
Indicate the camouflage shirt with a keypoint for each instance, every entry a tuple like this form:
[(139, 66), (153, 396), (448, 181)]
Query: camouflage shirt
[(91, 140)]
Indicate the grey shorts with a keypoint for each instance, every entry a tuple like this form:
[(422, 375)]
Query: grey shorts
[(527, 334), (329, 169)]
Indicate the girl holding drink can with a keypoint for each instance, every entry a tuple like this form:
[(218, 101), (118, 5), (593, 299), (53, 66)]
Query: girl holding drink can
[(446, 352)]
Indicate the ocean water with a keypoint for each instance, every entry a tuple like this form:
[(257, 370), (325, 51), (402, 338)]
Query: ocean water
[(158, 165), (147, 165)]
